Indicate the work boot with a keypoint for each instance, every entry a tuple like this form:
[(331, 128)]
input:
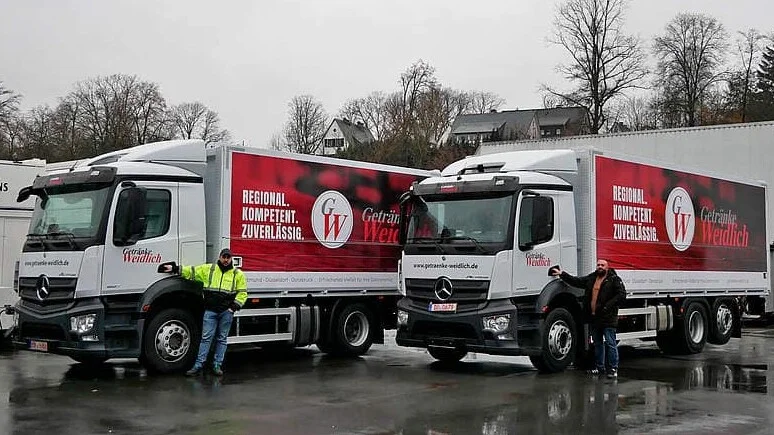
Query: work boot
[(612, 374), (195, 371), (594, 372), (216, 370)]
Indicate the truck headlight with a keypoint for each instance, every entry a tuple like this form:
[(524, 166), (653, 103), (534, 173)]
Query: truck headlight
[(402, 318), (82, 324), (497, 324)]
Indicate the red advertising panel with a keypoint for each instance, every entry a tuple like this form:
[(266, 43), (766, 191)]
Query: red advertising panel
[(651, 218), (296, 216)]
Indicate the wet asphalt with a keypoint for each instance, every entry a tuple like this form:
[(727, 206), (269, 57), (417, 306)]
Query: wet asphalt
[(725, 390)]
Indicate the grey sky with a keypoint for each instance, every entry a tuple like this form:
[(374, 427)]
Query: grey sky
[(246, 59)]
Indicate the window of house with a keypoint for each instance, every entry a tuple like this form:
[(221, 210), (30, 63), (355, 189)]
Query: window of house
[(558, 131), (334, 143)]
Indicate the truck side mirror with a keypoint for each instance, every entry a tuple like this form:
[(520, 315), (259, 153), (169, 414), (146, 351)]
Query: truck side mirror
[(24, 194), (405, 212), (130, 221)]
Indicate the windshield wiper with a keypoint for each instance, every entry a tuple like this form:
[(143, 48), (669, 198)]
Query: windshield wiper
[(70, 237), (470, 239), (432, 240)]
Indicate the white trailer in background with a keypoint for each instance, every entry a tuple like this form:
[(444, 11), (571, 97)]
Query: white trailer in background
[(744, 151), (14, 221)]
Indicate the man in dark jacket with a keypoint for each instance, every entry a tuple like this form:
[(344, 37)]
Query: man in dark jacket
[(604, 293)]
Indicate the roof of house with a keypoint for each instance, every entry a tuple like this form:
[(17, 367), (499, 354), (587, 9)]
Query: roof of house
[(354, 133), (518, 120), (486, 122)]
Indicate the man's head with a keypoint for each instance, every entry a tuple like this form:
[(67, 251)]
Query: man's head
[(225, 257), (602, 267)]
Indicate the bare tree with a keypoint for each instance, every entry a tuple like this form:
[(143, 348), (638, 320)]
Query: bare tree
[(415, 81), (196, 121), (690, 57), (636, 113), (605, 61), (436, 110), (485, 102), (371, 111), (306, 125), (277, 142), (750, 46), (187, 117), (149, 117), (9, 102)]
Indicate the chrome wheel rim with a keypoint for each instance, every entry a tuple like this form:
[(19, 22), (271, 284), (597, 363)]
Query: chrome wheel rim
[(173, 339), (559, 340)]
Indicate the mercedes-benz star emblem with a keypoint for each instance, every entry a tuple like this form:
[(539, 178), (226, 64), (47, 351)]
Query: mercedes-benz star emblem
[(42, 286), (443, 289)]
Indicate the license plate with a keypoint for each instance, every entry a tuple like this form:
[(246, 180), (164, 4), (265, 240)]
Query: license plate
[(443, 307), (41, 346)]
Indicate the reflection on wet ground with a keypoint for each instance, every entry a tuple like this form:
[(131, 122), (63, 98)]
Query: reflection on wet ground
[(396, 391)]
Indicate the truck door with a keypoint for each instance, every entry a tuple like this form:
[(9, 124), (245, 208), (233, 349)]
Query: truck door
[(537, 244), (133, 268)]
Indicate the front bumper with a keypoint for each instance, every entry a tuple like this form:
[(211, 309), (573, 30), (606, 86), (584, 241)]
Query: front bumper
[(464, 330), (53, 328)]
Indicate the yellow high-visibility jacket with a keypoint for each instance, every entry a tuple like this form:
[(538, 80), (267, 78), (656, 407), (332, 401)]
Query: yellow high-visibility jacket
[(223, 289)]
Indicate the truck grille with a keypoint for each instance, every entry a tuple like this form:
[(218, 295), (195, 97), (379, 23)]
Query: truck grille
[(463, 290), (60, 290)]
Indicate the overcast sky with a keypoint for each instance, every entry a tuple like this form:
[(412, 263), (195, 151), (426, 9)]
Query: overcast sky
[(247, 59)]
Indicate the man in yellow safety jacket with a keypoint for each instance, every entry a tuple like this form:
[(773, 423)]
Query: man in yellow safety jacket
[(225, 291)]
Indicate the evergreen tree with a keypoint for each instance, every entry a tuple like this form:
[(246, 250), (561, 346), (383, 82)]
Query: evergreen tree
[(766, 71)]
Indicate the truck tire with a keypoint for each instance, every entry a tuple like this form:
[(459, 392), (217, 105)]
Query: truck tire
[(690, 332), (721, 321), (171, 341), (445, 355), (559, 342), (353, 330)]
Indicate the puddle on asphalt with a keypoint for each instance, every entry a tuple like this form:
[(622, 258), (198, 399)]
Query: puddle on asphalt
[(576, 404)]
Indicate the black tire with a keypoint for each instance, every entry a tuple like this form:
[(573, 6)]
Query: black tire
[(446, 355), (178, 337), (690, 333), (559, 342), (721, 321), (89, 360), (353, 330)]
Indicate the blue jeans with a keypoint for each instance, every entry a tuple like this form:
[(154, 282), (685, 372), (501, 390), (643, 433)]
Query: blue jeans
[(609, 349), (214, 321)]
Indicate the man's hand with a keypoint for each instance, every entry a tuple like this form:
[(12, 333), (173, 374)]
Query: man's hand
[(556, 271), (167, 268)]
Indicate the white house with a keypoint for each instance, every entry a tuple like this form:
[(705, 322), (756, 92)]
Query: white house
[(341, 134)]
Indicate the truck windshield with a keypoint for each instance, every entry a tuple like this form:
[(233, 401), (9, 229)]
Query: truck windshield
[(67, 218), (478, 220)]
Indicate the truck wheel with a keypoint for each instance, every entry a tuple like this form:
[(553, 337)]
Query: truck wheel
[(721, 321), (446, 355), (353, 331), (559, 342), (691, 330), (171, 341)]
